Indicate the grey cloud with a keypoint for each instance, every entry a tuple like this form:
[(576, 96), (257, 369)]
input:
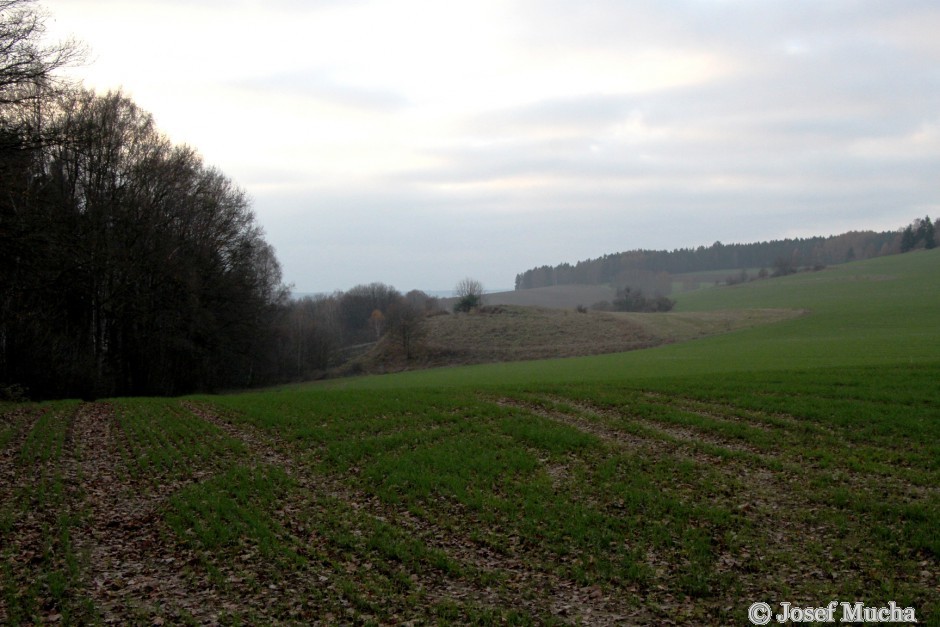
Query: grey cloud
[(768, 150), (773, 147)]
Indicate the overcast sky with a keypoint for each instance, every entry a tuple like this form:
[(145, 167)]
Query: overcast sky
[(418, 142)]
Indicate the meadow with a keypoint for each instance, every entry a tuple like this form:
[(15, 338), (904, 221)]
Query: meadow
[(797, 461)]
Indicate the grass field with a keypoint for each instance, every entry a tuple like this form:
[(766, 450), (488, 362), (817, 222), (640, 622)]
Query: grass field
[(797, 461)]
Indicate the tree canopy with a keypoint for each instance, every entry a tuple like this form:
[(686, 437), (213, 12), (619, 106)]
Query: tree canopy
[(127, 265)]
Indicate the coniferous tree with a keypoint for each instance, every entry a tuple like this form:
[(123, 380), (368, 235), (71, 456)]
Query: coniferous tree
[(908, 239), (928, 233)]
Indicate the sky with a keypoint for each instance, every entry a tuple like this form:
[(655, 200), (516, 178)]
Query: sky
[(418, 142)]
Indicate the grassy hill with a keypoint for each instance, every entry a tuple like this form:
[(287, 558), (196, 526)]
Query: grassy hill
[(877, 311), (497, 334), (790, 462)]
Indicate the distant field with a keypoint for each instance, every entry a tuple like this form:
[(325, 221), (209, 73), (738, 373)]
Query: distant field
[(558, 296), (797, 461)]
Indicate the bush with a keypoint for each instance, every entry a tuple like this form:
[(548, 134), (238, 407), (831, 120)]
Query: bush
[(466, 303), (629, 299)]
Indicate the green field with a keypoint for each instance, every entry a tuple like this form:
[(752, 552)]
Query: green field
[(797, 462)]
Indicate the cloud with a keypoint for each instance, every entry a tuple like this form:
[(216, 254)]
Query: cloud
[(418, 142), (319, 86)]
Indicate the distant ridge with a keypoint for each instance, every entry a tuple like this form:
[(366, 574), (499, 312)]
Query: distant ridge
[(639, 267)]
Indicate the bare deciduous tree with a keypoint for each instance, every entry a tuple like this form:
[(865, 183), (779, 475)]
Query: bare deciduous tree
[(469, 294), (27, 63), (406, 324), (136, 269)]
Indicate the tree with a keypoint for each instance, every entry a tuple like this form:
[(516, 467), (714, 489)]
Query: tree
[(632, 299), (133, 268), (908, 239), (307, 336), (422, 301), (784, 265), (920, 230), (406, 324), (27, 65), (927, 231), (377, 321), (469, 294), (357, 307), (27, 81)]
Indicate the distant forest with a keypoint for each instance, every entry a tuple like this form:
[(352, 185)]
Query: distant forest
[(651, 270)]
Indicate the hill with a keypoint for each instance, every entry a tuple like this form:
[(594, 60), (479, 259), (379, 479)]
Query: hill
[(877, 311), (640, 268), (498, 333)]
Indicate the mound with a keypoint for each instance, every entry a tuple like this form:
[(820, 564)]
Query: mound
[(513, 333)]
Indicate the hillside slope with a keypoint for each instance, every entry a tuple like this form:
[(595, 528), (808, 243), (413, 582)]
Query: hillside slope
[(513, 333), (875, 312)]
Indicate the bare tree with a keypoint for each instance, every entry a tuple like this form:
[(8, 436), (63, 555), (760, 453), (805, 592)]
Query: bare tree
[(406, 324), (127, 266), (422, 301), (27, 64), (469, 294), (357, 306)]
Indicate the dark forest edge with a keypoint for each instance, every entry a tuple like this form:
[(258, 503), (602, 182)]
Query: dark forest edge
[(127, 265)]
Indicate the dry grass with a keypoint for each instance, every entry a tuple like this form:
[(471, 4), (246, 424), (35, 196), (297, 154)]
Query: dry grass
[(513, 333)]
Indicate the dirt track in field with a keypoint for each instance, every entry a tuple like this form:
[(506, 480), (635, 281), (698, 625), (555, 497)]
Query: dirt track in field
[(132, 567)]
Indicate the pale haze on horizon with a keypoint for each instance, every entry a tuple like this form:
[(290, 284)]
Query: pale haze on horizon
[(417, 142)]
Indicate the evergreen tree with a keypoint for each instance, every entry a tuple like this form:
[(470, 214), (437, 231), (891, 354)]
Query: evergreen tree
[(928, 229), (908, 239)]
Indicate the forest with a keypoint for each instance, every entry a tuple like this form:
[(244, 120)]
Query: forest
[(650, 269), (127, 264)]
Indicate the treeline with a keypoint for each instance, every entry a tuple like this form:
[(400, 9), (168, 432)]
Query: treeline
[(650, 270), (318, 333), (127, 265), (921, 233)]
